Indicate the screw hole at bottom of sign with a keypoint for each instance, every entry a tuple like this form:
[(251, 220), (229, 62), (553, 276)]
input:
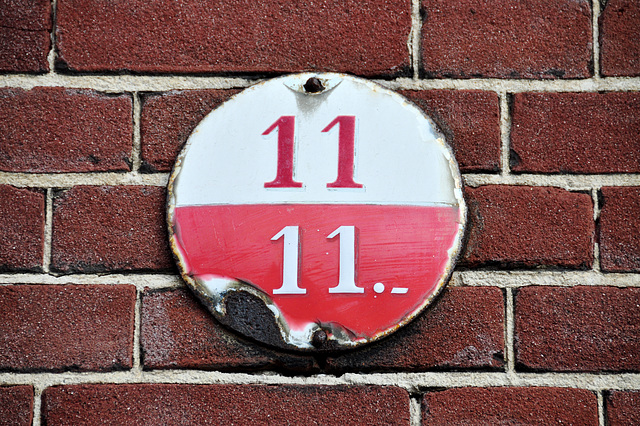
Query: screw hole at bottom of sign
[(319, 338)]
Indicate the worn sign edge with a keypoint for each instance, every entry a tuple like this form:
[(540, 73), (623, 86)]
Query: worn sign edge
[(214, 303)]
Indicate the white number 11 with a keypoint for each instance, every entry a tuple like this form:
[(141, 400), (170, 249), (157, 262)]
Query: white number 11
[(290, 264)]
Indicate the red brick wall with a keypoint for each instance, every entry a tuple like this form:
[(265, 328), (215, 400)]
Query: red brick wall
[(540, 100)]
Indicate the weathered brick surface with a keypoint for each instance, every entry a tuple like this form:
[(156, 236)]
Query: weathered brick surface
[(52, 130), (22, 230), (578, 329), (110, 228), (576, 132), (620, 229), (522, 406), (172, 404), (25, 14), (469, 120), (619, 41), (54, 331), (521, 226), (178, 332), (507, 39), (66, 327), (167, 121), (622, 408), (24, 35), (464, 329), (16, 405), (367, 38), (24, 50)]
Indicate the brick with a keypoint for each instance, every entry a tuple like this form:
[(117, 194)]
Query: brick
[(54, 130), (622, 408), (24, 50), (110, 228), (591, 329), (619, 42), (16, 405), (167, 121), (25, 14), (521, 226), (66, 327), (619, 229), (178, 332), (532, 405), (22, 230), (172, 404), (576, 132), (367, 38), (507, 39), (464, 329), (24, 35), (470, 120)]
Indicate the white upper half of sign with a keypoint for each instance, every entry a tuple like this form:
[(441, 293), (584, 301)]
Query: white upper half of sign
[(399, 157)]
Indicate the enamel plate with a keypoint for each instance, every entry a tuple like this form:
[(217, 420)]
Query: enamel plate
[(316, 212)]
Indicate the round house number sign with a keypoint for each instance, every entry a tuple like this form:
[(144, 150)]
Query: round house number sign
[(316, 211)]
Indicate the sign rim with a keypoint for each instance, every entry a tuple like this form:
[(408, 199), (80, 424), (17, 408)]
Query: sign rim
[(213, 303)]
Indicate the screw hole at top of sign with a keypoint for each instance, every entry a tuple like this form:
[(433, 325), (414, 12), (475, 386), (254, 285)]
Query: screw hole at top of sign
[(313, 85)]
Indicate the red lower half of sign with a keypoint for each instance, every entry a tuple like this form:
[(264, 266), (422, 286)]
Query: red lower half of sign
[(364, 267)]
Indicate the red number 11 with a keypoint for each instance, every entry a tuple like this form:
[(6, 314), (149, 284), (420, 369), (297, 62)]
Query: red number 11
[(286, 146)]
